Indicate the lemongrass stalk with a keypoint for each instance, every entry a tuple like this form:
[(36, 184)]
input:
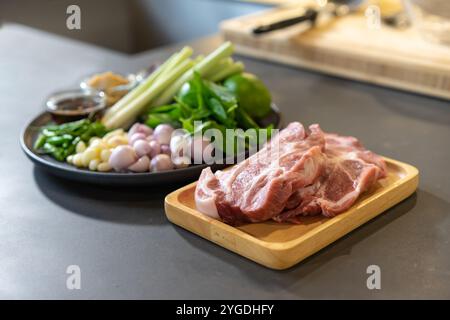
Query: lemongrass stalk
[(125, 115), (196, 60), (222, 64), (237, 67), (158, 98), (168, 65), (224, 51), (199, 58), (133, 94)]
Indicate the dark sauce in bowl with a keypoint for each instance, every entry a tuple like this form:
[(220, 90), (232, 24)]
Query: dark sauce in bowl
[(76, 103)]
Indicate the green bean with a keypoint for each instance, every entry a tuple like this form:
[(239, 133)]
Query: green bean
[(59, 141), (40, 141), (48, 133)]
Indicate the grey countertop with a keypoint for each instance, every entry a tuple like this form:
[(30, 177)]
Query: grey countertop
[(126, 248)]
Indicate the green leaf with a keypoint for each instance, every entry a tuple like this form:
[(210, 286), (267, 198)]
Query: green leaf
[(188, 94), (187, 124), (221, 93), (231, 109), (217, 110), (156, 119), (244, 120), (164, 109), (201, 114), (198, 85), (185, 109)]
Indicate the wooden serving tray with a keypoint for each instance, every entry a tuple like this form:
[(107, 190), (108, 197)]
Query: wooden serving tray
[(282, 245), (350, 48)]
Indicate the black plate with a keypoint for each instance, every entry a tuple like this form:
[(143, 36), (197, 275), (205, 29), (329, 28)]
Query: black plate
[(65, 170)]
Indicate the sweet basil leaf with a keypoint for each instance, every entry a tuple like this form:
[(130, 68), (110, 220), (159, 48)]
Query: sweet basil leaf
[(221, 93), (164, 109), (244, 120), (200, 114), (154, 120), (217, 110), (187, 124)]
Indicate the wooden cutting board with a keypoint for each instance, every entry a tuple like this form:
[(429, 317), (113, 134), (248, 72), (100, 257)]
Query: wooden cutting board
[(282, 245), (350, 48)]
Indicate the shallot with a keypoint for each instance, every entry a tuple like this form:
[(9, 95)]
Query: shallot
[(163, 133), (181, 162), (161, 162), (155, 148), (141, 165), (135, 137), (122, 157), (142, 148)]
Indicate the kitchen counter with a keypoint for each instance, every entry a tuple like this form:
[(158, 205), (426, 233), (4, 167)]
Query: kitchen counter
[(125, 246)]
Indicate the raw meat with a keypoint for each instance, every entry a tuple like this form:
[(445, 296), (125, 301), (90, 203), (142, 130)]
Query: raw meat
[(258, 188), (349, 171), (295, 174)]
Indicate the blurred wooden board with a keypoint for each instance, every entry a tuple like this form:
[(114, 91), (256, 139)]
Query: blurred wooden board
[(282, 245), (349, 48)]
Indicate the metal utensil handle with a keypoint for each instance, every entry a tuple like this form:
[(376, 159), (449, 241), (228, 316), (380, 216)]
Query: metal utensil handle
[(309, 15)]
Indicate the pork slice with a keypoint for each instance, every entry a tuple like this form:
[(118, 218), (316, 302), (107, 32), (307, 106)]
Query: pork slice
[(349, 171), (258, 188), (351, 147), (206, 192)]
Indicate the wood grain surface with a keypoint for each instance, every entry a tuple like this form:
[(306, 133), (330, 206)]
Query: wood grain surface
[(348, 47)]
